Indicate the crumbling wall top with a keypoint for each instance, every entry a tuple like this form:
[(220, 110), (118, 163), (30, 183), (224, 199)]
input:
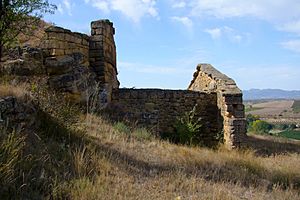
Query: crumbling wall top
[(219, 82), (57, 29), (103, 23)]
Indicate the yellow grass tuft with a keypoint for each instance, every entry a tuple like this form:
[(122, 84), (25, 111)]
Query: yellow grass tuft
[(10, 90)]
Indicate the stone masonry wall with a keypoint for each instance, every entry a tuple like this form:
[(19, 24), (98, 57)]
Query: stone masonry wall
[(60, 42), (229, 101), (85, 66), (103, 56), (14, 114), (66, 62), (158, 109)]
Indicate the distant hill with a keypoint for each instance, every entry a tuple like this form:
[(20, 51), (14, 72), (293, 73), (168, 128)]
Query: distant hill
[(270, 94)]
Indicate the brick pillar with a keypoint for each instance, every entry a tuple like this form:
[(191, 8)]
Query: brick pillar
[(103, 56), (234, 122)]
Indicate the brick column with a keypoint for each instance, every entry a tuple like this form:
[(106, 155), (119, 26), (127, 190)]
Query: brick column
[(103, 56)]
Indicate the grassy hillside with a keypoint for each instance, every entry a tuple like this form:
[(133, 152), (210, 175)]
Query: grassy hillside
[(70, 154)]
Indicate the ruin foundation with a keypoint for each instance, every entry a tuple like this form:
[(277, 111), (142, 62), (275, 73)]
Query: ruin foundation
[(77, 63)]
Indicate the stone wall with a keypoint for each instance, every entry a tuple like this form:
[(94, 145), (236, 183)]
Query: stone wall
[(26, 61), (75, 63), (229, 101), (85, 66), (66, 61), (60, 42), (103, 56), (158, 109), (14, 114)]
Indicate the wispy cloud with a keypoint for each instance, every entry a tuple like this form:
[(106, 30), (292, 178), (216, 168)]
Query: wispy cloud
[(227, 32), (293, 45), (102, 5), (283, 14), (65, 6), (186, 21), (215, 33), (68, 6), (275, 11), (180, 4), (133, 9), (292, 27), (60, 9)]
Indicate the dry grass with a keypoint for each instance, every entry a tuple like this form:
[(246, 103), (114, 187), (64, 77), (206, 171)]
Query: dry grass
[(129, 168), (88, 158), (10, 90)]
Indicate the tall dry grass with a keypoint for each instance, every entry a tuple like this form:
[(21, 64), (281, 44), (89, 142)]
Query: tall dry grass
[(155, 169), (10, 90), (82, 156)]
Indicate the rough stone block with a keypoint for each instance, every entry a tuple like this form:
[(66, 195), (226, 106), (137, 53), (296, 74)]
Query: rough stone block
[(55, 36), (85, 42), (59, 65), (233, 99), (239, 114), (97, 38), (235, 122), (56, 52), (57, 29), (96, 45), (95, 53), (240, 107)]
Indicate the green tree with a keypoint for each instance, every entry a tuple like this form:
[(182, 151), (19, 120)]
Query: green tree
[(260, 126), (20, 16)]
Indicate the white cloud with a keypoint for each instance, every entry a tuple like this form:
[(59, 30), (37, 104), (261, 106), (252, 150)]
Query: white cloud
[(65, 6), (293, 45), (102, 5), (133, 9), (187, 22), (283, 14), (227, 32), (292, 27), (275, 11), (180, 4), (60, 9), (215, 33), (68, 6)]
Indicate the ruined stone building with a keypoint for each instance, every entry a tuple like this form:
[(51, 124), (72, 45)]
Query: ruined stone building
[(76, 62)]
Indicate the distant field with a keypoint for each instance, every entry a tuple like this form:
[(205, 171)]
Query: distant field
[(271, 108), (290, 134), (296, 106), (248, 108)]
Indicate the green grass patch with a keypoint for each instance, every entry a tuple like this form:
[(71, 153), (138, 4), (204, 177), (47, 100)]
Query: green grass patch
[(292, 134), (296, 106)]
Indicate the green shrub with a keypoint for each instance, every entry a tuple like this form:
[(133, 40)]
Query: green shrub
[(122, 128), (260, 127), (188, 128), (281, 126), (142, 133)]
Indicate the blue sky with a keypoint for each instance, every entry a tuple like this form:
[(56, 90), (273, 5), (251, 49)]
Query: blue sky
[(160, 43)]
